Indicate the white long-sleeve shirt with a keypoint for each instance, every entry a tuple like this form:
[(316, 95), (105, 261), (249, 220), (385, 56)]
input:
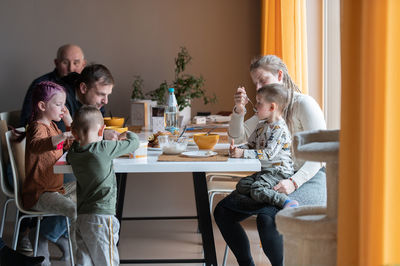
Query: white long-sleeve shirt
[(306, 115), (270, 143)]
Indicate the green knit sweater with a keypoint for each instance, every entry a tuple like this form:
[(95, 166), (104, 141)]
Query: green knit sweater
[(92, 165)]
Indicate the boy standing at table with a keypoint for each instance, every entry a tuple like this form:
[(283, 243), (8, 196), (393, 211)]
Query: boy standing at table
[(91, 159)]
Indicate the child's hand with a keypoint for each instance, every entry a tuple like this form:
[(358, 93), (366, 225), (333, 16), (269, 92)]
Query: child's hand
[(67, 117), (235, 152), (232, 147), (285, 186), (110, 134), (59, 139), (68, 135), (122, 136)]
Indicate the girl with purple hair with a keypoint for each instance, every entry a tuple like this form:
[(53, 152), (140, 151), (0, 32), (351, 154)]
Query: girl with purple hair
[(43, 190)]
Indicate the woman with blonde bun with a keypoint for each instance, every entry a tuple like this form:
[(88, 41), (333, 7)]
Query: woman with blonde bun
[(307, 185)]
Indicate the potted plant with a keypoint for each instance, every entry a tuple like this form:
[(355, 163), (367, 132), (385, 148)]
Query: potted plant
[(140, 106), (187, 87), (137, 88), (159, 94)]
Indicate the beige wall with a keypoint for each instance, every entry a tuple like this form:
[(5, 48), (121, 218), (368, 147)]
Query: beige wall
[(134, 37), (139, 37), (130, 37)]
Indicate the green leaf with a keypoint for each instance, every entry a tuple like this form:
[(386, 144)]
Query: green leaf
[(159, 94), (137, 88), (187, 87)]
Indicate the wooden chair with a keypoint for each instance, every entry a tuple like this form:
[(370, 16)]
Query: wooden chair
[(16, 152)]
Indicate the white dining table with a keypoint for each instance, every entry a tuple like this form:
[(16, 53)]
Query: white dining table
[(123, 166)]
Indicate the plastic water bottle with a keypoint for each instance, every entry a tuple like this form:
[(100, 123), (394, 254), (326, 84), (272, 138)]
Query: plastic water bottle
[(171, 113)]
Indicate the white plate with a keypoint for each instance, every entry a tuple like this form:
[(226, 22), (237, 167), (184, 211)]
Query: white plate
[(199, 153)]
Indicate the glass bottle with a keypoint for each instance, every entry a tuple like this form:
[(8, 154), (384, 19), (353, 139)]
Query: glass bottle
[(171, 112)]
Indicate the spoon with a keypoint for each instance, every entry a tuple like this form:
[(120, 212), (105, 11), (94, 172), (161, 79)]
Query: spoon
[(254, 108), (125, 120), (208, 132), (183, 131)]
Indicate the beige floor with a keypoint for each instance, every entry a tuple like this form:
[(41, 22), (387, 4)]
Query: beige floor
[(166, 239)]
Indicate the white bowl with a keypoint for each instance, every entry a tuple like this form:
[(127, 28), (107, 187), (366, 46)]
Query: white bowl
[(170, 144)]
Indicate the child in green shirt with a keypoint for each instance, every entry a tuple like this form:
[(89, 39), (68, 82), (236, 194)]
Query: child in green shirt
[(91, 159)]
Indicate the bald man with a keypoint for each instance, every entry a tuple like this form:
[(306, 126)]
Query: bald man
[(70, 58)]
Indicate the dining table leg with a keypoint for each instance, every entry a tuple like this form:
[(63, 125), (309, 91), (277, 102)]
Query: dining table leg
[(203, 213), (121, 185), (204, 217)]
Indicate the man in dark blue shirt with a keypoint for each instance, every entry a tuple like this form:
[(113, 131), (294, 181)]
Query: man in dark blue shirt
[(70, 58), (92, 87)]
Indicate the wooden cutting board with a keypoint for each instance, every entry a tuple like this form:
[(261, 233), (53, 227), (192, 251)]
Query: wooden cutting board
[(222, 156)]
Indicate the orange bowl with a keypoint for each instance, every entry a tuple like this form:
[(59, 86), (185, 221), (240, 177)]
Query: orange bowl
[(205, 142), (114, 121), (118, 129)]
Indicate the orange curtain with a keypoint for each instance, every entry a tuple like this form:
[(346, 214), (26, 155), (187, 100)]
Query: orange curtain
[(284, 33), (369, 174)]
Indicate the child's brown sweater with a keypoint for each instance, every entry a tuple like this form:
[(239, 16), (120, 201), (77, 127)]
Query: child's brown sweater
[(40, 156)]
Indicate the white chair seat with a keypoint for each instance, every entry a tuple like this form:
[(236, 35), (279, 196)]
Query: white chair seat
[(16, 151), (227, 175), (226, 184), (4, 161), (221, 186)]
